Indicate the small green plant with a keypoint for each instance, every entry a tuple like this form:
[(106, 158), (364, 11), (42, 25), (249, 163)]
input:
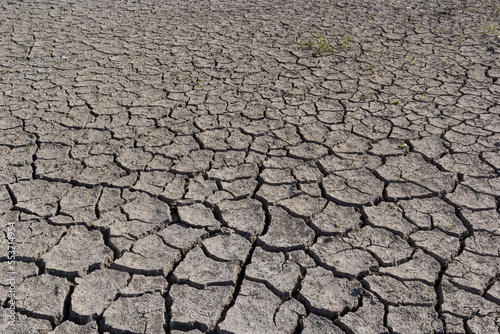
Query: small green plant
[(403, 146), (346, 42), (308, 43), (495, 8), (493, 30), (322, 45)]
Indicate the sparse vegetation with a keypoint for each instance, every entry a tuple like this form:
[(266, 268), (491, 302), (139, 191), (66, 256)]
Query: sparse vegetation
[(346, 42), (495, 9), (493, 30), (308, 43), (366, 96), (321, 45)]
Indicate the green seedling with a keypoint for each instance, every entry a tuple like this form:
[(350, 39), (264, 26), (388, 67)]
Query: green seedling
[(493, 30), (403, 146), (495, 8), (308, 43), (346, 42), (322, 45)]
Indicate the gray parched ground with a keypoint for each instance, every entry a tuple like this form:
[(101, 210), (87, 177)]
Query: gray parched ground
[(235, 166)]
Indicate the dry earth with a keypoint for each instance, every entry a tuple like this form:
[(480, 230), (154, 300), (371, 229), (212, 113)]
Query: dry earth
[(217, 167)]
